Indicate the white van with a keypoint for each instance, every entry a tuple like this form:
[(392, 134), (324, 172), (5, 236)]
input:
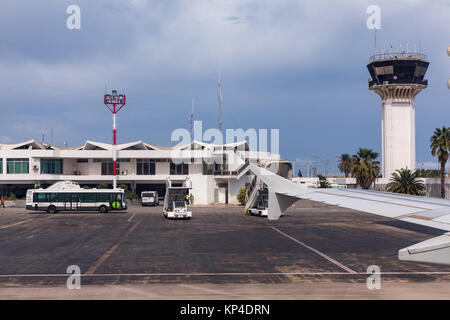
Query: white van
[(149, 198)]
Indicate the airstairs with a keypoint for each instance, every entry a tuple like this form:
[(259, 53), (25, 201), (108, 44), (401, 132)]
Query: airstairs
[(257, 198)]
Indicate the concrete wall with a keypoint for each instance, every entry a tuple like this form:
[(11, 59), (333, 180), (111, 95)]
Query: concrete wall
[(234, 186)]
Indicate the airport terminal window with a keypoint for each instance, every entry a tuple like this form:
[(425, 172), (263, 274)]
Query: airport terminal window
[(1, 165), (53, 166), (145, 167), (108, 167), (181, 168), (208, 169), (18, 165), (82, 160)]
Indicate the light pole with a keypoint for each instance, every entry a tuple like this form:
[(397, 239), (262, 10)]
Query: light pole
[(114, 103), (293, 168), (325, 162)]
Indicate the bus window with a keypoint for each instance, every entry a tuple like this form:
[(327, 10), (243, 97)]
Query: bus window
[(87, 197), (40, 197), (71, 197), (53, 197), (61, 197), (103, 197)]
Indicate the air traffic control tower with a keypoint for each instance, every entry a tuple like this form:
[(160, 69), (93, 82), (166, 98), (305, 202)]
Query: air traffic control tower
[(397, 78)]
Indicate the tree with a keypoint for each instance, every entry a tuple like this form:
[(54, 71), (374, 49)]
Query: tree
[(323, 182), (428, 173), (364, 167), (299, 173), (241, 195), (406, 181), (440, 147), (345, 164)]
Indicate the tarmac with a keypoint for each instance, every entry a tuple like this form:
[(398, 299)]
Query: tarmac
[(314, 251)]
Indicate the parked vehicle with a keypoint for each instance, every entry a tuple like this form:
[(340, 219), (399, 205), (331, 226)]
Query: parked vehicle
[(175, 202), (149, 198), (69, 196)]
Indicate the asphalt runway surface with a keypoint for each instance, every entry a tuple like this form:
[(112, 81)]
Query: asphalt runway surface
[(311, 244)]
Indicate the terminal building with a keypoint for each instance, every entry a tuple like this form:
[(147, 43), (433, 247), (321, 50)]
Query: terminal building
[(214, 170)]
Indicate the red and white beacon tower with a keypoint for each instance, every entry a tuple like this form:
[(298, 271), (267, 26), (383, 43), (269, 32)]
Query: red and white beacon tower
[(114, 102)]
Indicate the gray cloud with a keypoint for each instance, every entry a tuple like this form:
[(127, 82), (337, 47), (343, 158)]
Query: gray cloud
[(305, 59)]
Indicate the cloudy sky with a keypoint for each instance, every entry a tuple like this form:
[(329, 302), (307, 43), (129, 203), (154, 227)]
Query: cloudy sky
[(294, 65)]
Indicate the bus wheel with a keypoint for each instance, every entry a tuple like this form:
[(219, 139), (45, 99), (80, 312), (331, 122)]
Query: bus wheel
[(103, 209), (51, 209)]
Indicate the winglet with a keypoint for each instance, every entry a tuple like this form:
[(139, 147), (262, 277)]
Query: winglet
[(278, 203)]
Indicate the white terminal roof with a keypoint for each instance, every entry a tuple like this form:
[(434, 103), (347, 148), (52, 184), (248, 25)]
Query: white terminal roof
[(137, 145)]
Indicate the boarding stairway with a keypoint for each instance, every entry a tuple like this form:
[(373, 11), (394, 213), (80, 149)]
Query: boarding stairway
[(257, 197)]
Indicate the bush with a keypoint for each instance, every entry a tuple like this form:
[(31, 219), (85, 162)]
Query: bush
[(102, 186), (11, 196), (241, 195), (323, 182), (123, 186), (131, 195)]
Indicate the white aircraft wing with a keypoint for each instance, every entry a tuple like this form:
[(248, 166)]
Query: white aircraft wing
[(427, 211)]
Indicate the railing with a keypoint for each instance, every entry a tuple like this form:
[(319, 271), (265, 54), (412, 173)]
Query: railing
[(233, 172), (399, 81), (397, 55), (251, 187)]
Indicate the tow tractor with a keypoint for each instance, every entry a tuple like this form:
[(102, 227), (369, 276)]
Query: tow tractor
[(175, 204)]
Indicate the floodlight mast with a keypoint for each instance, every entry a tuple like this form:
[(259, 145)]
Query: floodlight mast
[(114, 102)]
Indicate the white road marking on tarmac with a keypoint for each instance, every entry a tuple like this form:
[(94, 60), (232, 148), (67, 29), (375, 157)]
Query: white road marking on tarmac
[(221, 274), (204, 289), (131, 218), (15, 224), (323, 255), (111, 250)]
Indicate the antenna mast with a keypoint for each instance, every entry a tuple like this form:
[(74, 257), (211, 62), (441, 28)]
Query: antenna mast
[(220, 105), (191, 121), (375, 44)]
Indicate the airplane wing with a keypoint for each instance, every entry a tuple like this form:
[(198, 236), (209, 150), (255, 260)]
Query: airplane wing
[(427, 211)]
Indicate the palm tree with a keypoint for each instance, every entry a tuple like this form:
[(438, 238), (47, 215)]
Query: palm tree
[(440, 146), (365, 168), (405, 181), (345, 164)]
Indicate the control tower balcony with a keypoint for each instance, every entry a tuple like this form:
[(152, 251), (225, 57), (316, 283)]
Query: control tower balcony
[(398, 69)]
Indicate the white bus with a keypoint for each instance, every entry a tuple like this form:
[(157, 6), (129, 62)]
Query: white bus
[(68, 196)]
